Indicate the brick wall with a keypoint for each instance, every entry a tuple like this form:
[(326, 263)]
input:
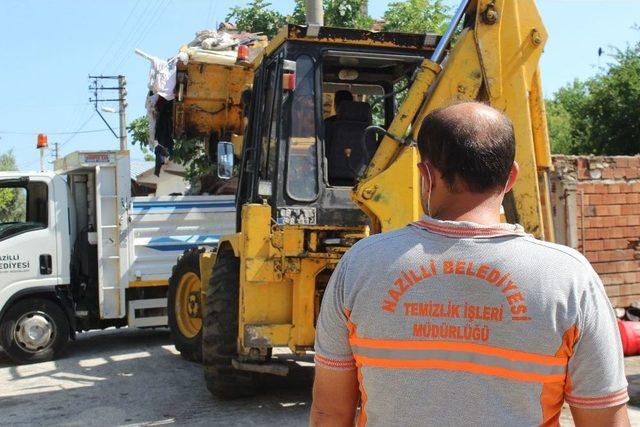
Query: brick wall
[(606, 206)]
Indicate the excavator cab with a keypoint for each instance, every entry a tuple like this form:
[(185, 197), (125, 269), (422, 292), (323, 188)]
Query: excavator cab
[(302, 152)]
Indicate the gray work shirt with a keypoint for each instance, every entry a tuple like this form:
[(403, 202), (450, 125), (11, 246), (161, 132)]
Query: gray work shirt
[(452, 322)]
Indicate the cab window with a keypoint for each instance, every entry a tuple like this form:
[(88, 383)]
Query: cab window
[(302, 163), (360, 90), (270, 127), (23, 207)]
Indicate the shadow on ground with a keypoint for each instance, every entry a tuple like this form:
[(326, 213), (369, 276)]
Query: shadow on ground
[(135, 377)]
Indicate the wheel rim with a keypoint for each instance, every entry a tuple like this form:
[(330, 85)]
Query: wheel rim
[(187, 307), (34, 332)]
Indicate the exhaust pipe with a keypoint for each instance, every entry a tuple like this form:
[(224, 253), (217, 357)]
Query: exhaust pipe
[(314, 12)]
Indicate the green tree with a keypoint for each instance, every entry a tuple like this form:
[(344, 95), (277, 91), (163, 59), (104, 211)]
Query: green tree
[(12, 206), (257, 17), (569, 127), (416, 16), (599, 115), (139, 131), (614, 107)]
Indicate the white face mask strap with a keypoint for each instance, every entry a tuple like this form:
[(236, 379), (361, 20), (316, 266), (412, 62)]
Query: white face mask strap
[(430, 186), (504, 191)]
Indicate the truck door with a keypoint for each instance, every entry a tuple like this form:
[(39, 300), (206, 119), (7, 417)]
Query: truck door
[(27, 235)]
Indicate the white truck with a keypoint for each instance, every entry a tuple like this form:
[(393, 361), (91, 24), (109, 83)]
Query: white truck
[(78, 252)]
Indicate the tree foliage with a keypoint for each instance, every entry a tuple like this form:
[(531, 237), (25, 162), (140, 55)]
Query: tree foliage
[(257, 17), (12, 206), (599, 115), (416, 16), (191, 153), (337, 13)]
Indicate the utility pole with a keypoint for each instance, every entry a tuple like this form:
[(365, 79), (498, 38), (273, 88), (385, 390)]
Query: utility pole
[(96, 87), (122, 92), (56, 150)]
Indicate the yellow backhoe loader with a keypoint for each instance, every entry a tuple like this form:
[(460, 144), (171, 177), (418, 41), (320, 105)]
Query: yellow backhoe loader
[(314, 179)]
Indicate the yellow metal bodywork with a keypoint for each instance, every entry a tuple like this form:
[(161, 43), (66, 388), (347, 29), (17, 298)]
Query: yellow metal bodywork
[(279, 266), (148, 283), (211, 100), (282, 267), (207, 261)]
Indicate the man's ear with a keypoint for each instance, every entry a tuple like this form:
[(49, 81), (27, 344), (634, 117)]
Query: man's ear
[(513, 175)]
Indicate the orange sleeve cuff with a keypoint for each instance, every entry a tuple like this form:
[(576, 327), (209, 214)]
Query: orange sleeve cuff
[(598, 402), (336, 364)]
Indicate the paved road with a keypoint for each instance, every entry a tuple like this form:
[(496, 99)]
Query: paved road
[(135, 377)]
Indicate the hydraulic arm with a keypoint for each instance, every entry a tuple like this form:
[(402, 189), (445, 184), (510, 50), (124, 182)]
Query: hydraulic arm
[(495, 60)]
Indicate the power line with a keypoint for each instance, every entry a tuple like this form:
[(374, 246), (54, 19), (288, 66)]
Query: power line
[(77, 130), (125, 45), (53, 133), (118, 33), (145, 32)]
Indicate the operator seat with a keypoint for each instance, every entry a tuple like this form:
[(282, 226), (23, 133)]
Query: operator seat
[(343, 136)]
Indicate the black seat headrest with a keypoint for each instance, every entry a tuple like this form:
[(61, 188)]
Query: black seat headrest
[(354, 111)]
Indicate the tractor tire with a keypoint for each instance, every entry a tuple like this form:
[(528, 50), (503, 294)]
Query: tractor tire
[(183, 305), (34, 330), (220, 333)]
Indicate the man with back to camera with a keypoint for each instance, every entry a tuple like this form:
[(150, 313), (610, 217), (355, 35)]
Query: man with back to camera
[(457, 319)]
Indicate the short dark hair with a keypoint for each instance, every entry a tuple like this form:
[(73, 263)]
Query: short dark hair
[(342, 95), (470, 142)]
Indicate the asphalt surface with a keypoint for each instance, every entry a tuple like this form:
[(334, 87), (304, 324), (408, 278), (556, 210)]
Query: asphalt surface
[(136, 377)]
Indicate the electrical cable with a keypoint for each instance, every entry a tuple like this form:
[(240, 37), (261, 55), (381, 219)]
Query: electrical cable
[(145, 32), (133, 32), (118, 33), (77, 131), (52, 133)]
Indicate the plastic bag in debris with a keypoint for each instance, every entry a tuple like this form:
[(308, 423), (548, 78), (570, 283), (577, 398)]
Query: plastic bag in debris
[(213, 40)]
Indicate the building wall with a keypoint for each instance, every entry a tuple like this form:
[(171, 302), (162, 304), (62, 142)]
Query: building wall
[(596, 204)]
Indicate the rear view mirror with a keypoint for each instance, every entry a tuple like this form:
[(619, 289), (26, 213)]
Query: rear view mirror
[(225, 160)]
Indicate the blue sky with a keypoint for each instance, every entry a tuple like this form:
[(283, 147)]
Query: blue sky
[(49, 48)]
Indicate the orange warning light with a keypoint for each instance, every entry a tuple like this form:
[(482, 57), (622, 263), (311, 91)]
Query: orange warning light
[(243, 53), (42, 141), (289, 81)]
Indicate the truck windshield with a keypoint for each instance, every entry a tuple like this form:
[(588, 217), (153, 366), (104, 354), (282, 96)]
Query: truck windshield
[(22, 208), (302, 165)]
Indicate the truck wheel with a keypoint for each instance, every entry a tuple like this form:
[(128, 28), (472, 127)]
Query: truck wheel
[(34, 330), (183, 305), (220, 333)]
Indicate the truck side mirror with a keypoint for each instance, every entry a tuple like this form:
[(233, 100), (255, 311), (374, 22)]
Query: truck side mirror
[(225, 160)]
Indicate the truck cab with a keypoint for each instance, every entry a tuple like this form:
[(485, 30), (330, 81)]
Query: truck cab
[(34, 253)]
